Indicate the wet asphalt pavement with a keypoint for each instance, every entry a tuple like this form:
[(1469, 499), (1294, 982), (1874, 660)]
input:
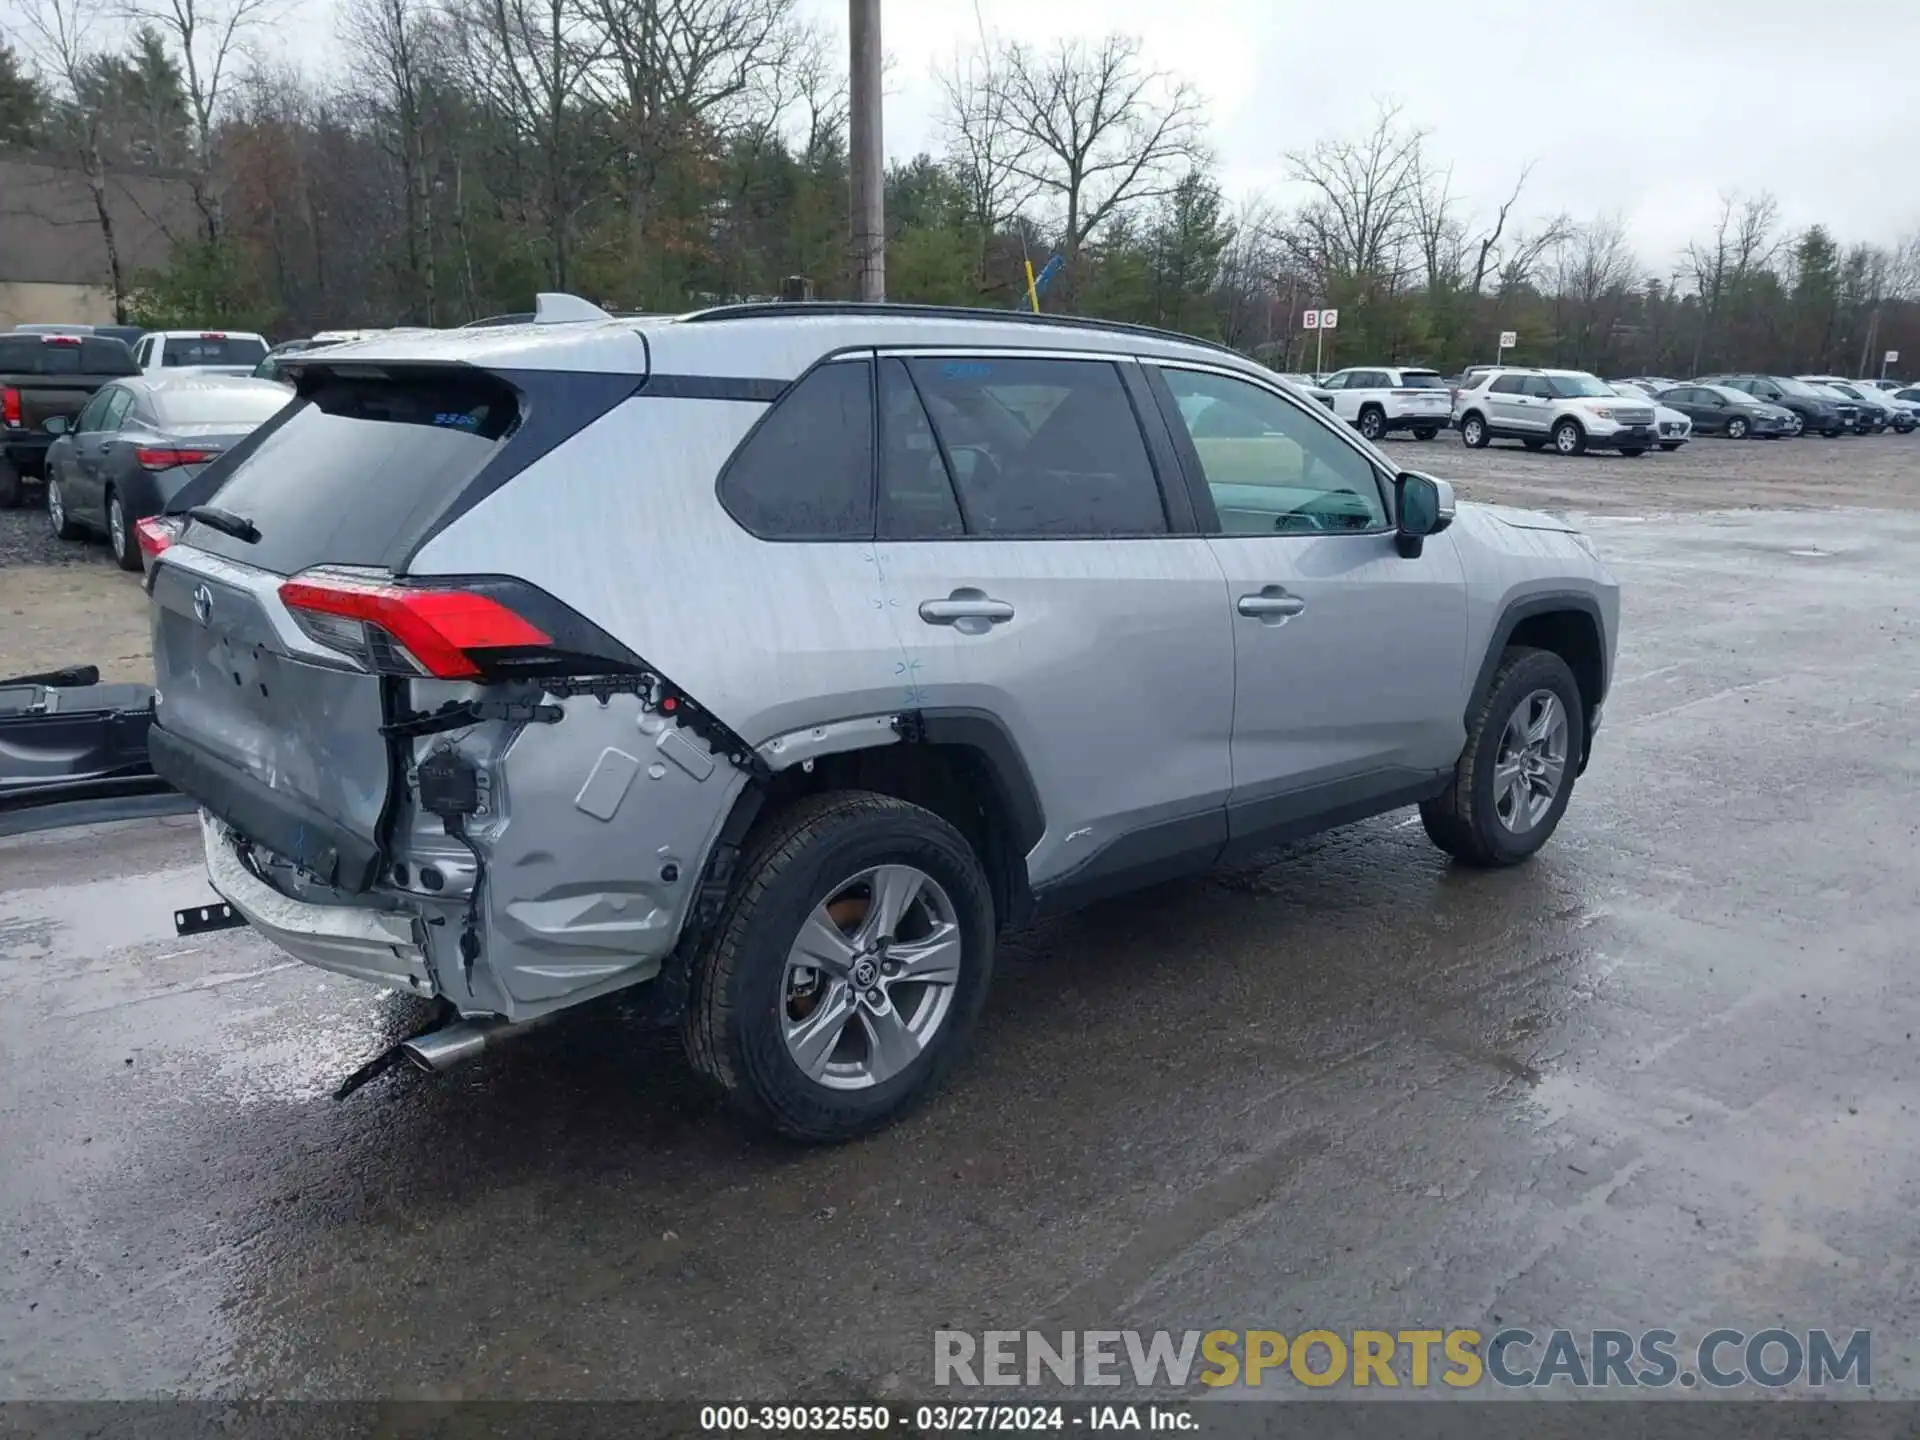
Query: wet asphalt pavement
[(1665, 1075)]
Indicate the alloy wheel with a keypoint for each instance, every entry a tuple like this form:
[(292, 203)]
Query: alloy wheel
[(871, 977), (117, 524), (56, 507), (1531, 762)]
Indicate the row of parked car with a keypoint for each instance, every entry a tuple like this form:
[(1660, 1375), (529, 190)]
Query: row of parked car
[(113, 421), (1574, 411)]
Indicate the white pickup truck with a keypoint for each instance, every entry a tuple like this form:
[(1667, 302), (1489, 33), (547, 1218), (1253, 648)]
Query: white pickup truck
[(1377, 399)]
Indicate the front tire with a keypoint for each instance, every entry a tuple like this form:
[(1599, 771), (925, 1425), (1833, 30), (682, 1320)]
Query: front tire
[(62, 522), (1473, 433), (1569, 438), (1513, 780), (1373, 422), (11, 486), (121, 538), (1737, 428), (1671, 445), (847, 968)]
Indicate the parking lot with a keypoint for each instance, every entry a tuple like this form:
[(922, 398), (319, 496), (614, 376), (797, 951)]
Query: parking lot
[(1664, 1075)]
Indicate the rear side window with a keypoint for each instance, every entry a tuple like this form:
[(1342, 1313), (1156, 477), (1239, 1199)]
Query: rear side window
[(223, 350), (355, 462), (1042, 448), (66, 355), (806, 472), (1421, 380), (1507, 385)]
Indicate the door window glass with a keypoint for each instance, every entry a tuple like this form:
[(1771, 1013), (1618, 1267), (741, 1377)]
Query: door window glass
[(1271, 467), (1042, 448)]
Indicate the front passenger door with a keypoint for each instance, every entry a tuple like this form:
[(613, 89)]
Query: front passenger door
[(1349, 660)]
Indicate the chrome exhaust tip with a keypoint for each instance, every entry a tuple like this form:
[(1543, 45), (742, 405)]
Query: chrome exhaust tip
[(439, 1051)]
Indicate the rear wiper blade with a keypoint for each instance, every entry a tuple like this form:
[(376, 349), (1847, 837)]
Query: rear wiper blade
[(225, 521)]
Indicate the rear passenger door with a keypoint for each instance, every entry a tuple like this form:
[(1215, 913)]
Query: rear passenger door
[(1030, 561)]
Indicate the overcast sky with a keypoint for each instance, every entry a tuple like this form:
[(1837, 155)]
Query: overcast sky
[(1647, 109)]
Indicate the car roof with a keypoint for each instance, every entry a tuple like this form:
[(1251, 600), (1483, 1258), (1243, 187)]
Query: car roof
[(775, 341), (177, 383), (210, 335)]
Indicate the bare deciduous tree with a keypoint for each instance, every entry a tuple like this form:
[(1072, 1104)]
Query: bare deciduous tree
[(1366, 198), (396, 43), (1104, 130), (527, 59), (209, 35), (1744, 240), (989, 154), (62, 37), (675, 66)]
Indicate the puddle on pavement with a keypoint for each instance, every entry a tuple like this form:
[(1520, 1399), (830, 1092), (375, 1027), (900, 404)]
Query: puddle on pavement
[(86, 917)]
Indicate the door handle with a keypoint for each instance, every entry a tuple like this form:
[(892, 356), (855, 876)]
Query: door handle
[(1272, 603), (972, 612)]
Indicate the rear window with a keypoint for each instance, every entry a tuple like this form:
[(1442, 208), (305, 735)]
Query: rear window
[(356, 462), (1421, 380), (241, 405), (32, 355), (228, 350)]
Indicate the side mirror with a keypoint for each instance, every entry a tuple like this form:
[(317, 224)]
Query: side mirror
[(1424, 506), (56, 425)]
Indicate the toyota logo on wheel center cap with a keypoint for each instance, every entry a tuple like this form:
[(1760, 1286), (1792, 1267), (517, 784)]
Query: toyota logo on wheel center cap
[(865, 973)]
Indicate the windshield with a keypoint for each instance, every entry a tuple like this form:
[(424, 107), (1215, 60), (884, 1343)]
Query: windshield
[(1732, 397), (1629, 392), (1421, 380), (1800, 388), (240, 406), (214, 350), (1569, 387)]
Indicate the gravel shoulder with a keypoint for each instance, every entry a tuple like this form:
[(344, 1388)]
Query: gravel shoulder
[(64, 603)]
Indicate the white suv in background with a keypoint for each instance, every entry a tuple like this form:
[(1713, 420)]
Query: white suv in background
[(1567, 409), (1375, 400), (209, 352)]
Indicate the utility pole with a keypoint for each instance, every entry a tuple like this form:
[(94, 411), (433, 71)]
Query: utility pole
[(868, 157)]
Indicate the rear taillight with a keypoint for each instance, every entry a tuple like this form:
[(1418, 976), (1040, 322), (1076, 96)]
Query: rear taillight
[(59, 339), (165, 458), (9, 407), (213, 334), (446, 634), (155, 533)]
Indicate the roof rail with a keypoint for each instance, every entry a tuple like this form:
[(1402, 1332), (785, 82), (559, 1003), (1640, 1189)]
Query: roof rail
[(797, 308)]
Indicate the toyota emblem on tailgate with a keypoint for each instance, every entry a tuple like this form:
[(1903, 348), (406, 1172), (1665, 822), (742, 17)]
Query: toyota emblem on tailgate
[(202, 604)]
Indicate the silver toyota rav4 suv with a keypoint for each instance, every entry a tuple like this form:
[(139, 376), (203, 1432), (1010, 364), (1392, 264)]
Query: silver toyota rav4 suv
[(779, 657)]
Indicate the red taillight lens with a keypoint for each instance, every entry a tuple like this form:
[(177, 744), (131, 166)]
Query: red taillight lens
[(10, 406), (59, 339), (401, 629), (165, 459), (213, 334), (155, 533)]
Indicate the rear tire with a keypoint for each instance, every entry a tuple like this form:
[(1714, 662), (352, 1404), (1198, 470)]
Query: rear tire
[(10, 486), (1671, 445), (1569, 438), (1635, 452), (57, 514), (121, 538), (1372, 422), (1426, 432), (1473, 432), (1465, 819), (1737, 428), (742, 1027)]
